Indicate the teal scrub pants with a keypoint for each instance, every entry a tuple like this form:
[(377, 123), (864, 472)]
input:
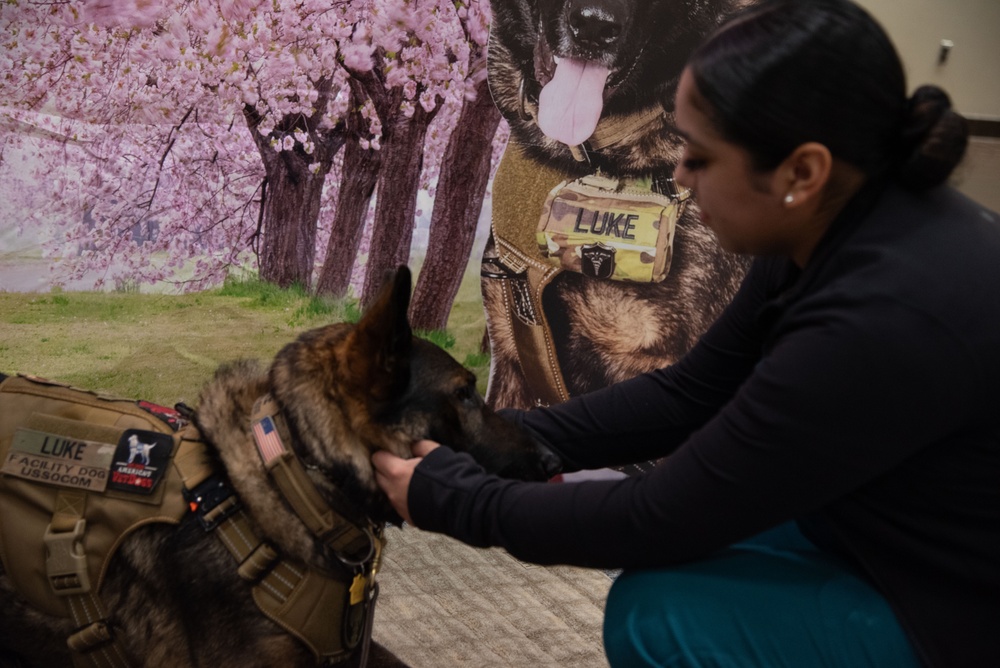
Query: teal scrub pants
[(772, 601)]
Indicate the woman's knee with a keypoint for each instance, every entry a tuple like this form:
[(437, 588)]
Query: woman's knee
[(624, 631), (781, 609), (641, 625)]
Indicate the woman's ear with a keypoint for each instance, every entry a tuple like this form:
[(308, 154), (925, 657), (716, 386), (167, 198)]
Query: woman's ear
[(805, 174)]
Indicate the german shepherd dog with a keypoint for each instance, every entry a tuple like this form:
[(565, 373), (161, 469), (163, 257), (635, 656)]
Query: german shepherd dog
[(172, 592), (558, 70)]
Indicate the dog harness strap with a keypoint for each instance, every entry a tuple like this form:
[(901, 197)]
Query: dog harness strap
[(66, 555), (526, 276), (351, 540), (92, 644), (614, 130), (536, 349), (192, 461), (313, 607), (323, 612), (237, 534), (258, 563), (294, 483), (290, 594), (316, 609), (345, 538)]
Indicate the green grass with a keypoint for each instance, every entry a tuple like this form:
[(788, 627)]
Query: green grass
[(443, 339), (163, 348)]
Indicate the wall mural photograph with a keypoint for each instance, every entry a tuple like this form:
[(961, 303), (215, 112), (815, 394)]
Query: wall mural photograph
[(328, 194)]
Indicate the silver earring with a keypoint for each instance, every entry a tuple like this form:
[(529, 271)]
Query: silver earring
[(789, 198)]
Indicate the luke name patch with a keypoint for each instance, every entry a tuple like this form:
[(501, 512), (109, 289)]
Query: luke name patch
[(135, 464), (59, 460)]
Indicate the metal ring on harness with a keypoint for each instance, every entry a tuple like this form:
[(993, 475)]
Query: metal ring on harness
[(347, 561)]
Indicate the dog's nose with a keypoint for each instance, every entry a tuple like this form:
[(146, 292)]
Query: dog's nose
[(551, 463), (594, 25)]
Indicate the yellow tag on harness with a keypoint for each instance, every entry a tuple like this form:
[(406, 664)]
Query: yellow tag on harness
[(604, 228), (358, 589)]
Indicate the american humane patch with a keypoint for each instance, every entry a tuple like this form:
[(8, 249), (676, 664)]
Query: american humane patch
[(140, 461)]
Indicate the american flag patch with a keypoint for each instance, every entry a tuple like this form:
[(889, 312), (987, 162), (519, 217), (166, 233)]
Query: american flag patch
[(268, 441)]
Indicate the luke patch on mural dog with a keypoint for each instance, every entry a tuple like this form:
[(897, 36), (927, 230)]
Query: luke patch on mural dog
[(252, 532), (597, 268)]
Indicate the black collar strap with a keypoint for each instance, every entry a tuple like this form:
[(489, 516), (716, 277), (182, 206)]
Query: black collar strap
[(353, 542)]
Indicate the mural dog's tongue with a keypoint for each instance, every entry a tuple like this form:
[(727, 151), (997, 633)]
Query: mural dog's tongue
[(570, 105)]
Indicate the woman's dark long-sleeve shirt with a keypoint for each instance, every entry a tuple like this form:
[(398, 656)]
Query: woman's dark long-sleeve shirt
[(860, 397)]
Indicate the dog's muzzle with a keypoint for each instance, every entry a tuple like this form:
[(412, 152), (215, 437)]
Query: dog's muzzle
[(552, 464)]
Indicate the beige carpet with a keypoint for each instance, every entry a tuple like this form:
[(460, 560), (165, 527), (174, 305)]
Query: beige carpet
[(445, 604)]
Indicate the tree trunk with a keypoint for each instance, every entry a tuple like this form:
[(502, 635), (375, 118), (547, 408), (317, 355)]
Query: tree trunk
[(360, 174), (291, 200), (458, 203), (291, 212), (395, 209)]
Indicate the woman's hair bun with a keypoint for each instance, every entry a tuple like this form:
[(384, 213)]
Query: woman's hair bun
[(933, 139)]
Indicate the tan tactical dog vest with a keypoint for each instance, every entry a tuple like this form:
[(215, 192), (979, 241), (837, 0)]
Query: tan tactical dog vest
[(79, 472)]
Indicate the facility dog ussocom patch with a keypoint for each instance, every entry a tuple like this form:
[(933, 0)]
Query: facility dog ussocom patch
[(247, 533), (597, 268)]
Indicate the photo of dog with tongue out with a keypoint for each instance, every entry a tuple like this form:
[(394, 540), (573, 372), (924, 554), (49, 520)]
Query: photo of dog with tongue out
[(597, 267)]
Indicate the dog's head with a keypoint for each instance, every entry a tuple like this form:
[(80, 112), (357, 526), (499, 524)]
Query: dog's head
[(349, 390), (581, 60)]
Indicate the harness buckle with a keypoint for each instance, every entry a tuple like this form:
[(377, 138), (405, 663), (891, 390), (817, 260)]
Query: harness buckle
[(66, 560), (212, 501)]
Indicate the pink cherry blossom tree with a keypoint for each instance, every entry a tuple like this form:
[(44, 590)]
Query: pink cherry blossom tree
[(352, 193), (154, 103), (424, 48), (410, 102), (185, 137), (461, 188)]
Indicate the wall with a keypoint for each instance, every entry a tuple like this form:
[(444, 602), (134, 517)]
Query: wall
[(971, 75)]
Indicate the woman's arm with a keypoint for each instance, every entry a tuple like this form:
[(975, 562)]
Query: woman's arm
[(648, 416), (833, 407)]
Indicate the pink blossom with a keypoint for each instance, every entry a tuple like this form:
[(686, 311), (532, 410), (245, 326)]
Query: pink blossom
[(130, 13), (428, 101), (150, 98)]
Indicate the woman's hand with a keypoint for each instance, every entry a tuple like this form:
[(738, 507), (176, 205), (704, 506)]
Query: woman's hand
[(393, 475)]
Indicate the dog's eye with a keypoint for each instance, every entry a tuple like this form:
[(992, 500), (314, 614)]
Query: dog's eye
[(466, 394)]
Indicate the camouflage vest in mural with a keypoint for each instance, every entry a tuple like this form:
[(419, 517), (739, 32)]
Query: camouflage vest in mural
[(604, 228)]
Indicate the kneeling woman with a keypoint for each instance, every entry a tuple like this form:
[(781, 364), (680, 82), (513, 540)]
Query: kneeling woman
[(832, 490)]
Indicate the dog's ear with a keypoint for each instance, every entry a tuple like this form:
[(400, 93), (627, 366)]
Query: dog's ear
[(381, 342)]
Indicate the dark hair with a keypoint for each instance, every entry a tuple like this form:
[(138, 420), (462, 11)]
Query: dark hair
[(785, 72)]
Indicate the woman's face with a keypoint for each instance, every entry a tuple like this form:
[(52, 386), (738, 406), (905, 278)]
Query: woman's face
[(742, 206)]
